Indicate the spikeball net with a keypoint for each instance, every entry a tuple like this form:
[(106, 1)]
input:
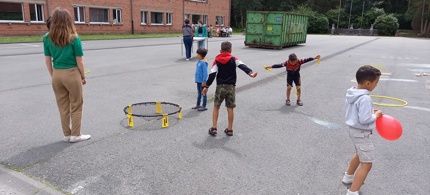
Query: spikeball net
[(151, 111)]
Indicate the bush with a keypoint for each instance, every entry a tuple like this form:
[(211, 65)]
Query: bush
[(318, 24), (387, 25)]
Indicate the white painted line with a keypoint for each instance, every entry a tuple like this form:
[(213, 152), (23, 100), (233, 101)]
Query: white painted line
[(30, 45), (418, 108), (400, 80), (419, 65), (419, 70), (325, 123), (386, 73)]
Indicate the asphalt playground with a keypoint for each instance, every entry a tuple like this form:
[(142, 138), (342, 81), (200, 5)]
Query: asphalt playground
[(275, 149)]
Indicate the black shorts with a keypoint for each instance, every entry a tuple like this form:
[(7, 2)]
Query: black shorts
[(295, 78)]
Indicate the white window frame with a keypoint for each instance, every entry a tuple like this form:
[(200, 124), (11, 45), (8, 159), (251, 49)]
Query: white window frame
[(202, 1), (187, 16), (162, 18), (36, 12), (205, 19), (117, 12), (78, 9), (222, 21), (143, 17), (103, 8), (15, 21), (169, 18)]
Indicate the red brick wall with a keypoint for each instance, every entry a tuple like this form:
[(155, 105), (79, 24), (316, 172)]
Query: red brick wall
[(212, 9)]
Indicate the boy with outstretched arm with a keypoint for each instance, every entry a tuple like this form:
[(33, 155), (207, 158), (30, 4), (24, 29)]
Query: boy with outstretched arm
[(224, 70), (360, 117), (292, 66)]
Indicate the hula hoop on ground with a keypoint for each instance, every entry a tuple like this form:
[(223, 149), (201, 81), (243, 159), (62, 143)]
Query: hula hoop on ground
[(404, 103), (156, 113), (152, 109)]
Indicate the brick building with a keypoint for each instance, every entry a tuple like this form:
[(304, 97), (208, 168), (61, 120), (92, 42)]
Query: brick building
[(27, 17)]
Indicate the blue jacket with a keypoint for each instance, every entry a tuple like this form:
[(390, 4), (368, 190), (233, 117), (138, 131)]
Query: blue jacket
[(201, 72), (204, 31), (359, 110)]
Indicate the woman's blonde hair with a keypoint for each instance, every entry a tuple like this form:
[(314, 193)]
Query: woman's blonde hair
[(62, 31)]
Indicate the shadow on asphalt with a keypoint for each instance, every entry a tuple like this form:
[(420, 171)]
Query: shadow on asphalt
[(37, 155), (214, 143)]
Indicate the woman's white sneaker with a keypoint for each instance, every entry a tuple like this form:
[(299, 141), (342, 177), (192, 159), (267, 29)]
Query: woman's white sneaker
[(74, 139), (66, 138)]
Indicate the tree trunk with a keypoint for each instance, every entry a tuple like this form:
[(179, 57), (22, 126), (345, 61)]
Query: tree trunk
[(422, 17)]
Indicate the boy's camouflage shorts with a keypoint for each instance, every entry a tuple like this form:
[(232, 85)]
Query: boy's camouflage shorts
[(227, 92)]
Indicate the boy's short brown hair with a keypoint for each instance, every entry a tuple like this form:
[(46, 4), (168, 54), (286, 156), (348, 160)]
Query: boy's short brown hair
[(187, 21), (202, 52), (367, 73), (292, 57), (226, 46)]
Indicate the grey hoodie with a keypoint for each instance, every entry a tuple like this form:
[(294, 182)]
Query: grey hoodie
[(359, 111)]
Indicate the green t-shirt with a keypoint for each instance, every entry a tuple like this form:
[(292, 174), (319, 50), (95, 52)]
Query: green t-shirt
[(63, 57)]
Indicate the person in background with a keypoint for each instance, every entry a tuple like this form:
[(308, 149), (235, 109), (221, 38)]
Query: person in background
[(201, 32), (187, 34), (63, 57)]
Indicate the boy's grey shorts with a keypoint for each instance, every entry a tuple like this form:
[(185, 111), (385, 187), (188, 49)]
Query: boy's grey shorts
[(363, 144)]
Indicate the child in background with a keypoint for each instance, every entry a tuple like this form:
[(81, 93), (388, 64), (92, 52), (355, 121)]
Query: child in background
[(200, 78), (224, 70), (360, 117), (293, 74)]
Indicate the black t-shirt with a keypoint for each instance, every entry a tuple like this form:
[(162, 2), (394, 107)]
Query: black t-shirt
[(200, 30)]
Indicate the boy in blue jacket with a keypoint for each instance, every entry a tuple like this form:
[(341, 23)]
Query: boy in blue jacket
[(200, 78), (360, 117)]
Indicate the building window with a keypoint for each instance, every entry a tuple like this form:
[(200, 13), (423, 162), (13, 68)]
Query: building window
[(219, 21), (196, 18), (205, 19), (36, 12), (156, 18), (187, 16), (117, 16), (79, 14), (144, 17), (169, 18), (11, 11), (99, 15)]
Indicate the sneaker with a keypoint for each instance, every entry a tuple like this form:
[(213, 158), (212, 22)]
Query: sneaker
[(202, 109), (196, 107), (188, 59), (352, 193), (74, 139), (66, 138), (347, 179)]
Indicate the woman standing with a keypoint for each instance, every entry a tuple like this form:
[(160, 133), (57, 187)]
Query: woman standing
[(63, 47), (201, 32), (187, 32)]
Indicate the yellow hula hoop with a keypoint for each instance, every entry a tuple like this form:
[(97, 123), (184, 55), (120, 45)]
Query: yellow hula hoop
[(404, 103), (375, 65), (87, 70)]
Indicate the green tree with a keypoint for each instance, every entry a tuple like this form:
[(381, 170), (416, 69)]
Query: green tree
[(333, 16), (317, 23), (419, 13), (369, 17), (387, 25)]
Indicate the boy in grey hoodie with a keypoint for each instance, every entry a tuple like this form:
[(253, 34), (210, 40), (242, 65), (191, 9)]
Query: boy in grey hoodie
[(360, 117)]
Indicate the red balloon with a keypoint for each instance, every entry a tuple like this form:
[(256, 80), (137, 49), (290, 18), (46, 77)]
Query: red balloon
[(388, 127)]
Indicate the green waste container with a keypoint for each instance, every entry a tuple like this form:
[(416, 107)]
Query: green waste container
[(275, 29)]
